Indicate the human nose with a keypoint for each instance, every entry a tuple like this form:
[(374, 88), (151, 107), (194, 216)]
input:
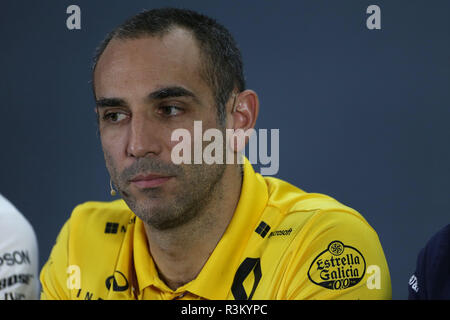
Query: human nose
[(143, 138)]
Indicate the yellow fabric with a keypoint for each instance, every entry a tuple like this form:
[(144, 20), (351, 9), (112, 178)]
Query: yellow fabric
[(282, 243)]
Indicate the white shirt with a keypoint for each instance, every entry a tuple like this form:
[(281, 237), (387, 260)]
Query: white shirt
[(19, 278)]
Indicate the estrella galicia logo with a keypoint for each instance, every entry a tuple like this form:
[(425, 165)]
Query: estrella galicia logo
[(115, 284), (338, 267)]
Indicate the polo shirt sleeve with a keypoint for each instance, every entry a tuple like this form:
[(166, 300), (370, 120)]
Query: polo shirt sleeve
[(337, 256), (55, 274)]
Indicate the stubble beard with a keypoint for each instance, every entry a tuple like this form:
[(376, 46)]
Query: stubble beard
[(196, 185)]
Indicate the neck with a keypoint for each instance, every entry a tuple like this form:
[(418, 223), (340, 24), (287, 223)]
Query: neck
[(180, 253)]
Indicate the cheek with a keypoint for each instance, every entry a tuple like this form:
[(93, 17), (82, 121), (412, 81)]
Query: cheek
[(113, 150)]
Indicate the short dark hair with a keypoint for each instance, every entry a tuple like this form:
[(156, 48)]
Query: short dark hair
[(223, 69)]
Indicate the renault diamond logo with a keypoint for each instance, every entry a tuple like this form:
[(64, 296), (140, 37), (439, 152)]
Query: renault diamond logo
[(120, 285)]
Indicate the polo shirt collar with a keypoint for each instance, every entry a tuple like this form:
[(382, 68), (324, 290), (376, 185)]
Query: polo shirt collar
[(216, 277)]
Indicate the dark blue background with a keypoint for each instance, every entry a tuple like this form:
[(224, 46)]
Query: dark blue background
[(363, 114)]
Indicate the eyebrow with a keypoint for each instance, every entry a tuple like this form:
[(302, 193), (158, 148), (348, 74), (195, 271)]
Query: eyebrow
[(160, 94), (110, 102), (171, 92)]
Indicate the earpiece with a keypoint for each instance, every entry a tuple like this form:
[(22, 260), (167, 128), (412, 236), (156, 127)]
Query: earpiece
[(113, 192)]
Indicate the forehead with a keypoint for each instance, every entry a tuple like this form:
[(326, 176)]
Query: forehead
[(137, 66)]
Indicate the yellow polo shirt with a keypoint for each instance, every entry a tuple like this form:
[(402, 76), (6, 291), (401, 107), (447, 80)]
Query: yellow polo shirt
[(282, 243)]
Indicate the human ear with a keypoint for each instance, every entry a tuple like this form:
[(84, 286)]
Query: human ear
[(244, 112)]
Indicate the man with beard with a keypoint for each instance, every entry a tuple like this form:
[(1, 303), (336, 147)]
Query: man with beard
[(198, 231)]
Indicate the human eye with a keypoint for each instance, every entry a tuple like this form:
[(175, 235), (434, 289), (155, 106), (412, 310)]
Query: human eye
[(114, 116), (170, 111)]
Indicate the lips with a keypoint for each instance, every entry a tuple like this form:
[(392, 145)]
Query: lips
[(149, 180)]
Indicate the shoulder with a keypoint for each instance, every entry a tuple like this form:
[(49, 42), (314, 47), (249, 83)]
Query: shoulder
[(436, 252), (98, 209), (18, 254), (15, 229), (11, 216), (438, 242), (90, 240), (94, 228), (433, 262), (96, 215), (326, 246), (92, 224), (295, 204)]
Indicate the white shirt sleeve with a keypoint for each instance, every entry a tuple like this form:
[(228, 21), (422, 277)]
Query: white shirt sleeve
[(19, 259)]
